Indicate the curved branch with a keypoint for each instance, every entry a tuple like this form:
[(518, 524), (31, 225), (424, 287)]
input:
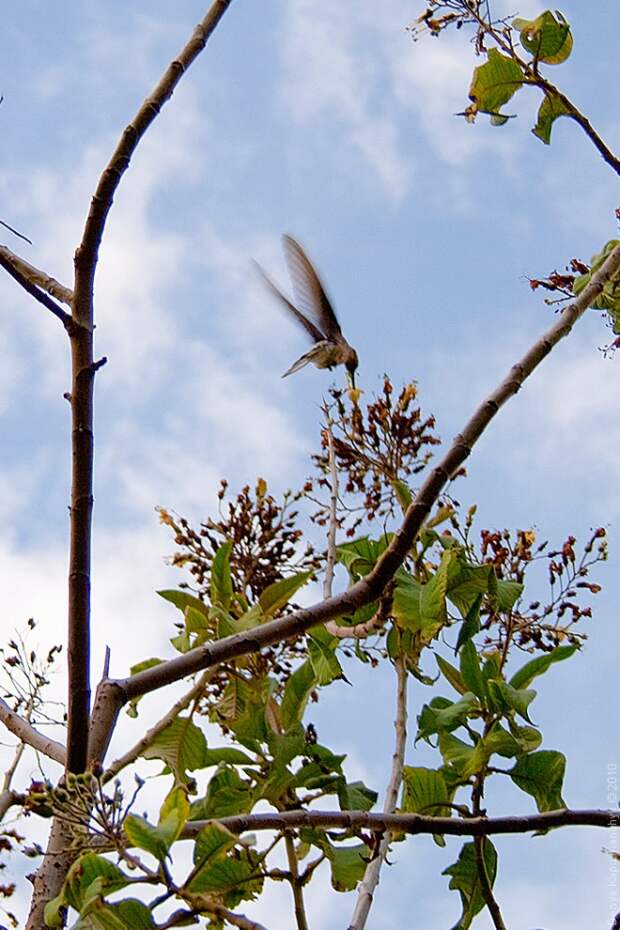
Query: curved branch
[(370, 587), (25, 732), (81, 397), (413, 824)]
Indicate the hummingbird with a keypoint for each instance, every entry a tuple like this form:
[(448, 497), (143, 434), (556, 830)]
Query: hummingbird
[(314, 312)]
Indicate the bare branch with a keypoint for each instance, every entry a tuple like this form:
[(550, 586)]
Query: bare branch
[(25, 732), (370, 881), (82, 389), (40, 278), (370, 587), (413, 824), (17, 273), (8, 798)]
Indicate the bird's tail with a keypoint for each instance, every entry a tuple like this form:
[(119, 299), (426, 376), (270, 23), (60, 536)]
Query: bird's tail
[(296, 366)]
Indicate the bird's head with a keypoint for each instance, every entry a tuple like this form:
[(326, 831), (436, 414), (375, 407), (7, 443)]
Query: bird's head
[(351, 362)]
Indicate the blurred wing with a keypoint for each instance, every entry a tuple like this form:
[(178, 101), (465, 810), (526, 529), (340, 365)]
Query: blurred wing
[(309, 292), (313, 331)]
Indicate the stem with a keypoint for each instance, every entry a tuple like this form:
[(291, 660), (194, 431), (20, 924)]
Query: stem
[(373, 869), (295, 882), (486, 887), (333, 506)]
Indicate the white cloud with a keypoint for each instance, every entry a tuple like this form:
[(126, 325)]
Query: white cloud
[(326, 79)]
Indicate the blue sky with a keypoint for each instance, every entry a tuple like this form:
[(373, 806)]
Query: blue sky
[(323, 120)]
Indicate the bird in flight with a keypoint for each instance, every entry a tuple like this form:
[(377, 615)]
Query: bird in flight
[(314, 312)]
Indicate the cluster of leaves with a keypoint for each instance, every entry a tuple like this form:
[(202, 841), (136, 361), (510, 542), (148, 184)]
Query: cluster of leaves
[(449, 587), (545, 40), (578, 276)]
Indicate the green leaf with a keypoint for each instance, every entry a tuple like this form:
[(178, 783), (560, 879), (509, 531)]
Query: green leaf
[(403, 493), (470, 670), (360, 555), (278, 594), (173, 815), (425, 792), (451, 674), (355, 795), (183, 600), (89, 876), (224, 874), (507, 593), (143, 835), (509, 699), (500, 741), (443, 716), (220, 588), (242, 709), (528, 738), (181, 745), (471, 624), (494, 83), (227, 754), (550, 109), (227, 794), (325, 665), (467, 584), (541, 774), (212, 843), (528, 672), (546, 38), (464, 758), (348, 864), (296, 693), (466, 881), (132, 707)]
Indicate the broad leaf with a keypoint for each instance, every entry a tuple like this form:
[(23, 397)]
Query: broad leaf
[(541, 774), (181, 745), (278, 594), (547, 38), (466, 881), (494, 83), (424, 792), (538, 666)]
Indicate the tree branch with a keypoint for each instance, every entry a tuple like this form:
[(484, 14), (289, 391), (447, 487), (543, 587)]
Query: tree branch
[(370, 881), (370, 587), (412, 824), (25, 732), (40, 278), (296, 885), (83, 373), (18, 269)]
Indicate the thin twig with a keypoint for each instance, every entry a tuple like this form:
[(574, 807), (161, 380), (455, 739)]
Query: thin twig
[(370, 881), (6, 225), (295, 883), (237, 920), (40, 278), (333, 508), (17, 274), (116, 693), (412, 824)]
